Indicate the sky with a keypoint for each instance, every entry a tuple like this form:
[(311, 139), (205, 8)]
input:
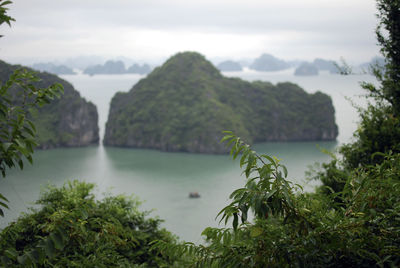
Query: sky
[(153, 30)]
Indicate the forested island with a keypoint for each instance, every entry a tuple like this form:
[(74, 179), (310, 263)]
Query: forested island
[(185, 104), (351, 220), (53, 68), (117, 67), (70, 121), (269, 63)]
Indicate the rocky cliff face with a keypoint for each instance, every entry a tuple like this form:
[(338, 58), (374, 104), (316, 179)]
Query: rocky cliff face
[(185, 104), (70, 121)]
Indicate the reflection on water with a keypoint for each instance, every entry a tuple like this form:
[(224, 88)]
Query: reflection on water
[(164, 180)]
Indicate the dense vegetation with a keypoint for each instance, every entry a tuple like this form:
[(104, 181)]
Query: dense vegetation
[(65, 122), (294, 229), (352, 220), (72, 228), (17, 132), (185, 104)]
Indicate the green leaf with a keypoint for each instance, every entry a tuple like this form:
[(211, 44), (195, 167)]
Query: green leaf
[(256, 231), (5, 261), (285, 172), (4, 205), (23, 259), (227, 137), (11, 253), (3, 197), (49, 248), (84, 214), (58, 241), (21, 164), (235, 221), (31, 125), (34, 256), (6, 145)]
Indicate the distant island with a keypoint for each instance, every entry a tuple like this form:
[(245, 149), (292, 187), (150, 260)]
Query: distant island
[(116, 67), (269, 63), (313, 68), (185, 104), (374, 62), (229, 66), (306, 69), (53, 68), (70, 121), (326, 65), (139, 69), (264, 63)]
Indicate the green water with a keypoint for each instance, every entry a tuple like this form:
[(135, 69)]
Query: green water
[(164, 180)]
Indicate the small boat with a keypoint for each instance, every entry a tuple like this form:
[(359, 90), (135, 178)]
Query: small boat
[(194, 195)]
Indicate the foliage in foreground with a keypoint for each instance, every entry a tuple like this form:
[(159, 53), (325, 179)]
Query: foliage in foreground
[(353, 220), (17, 132), (291, 228), (379, 130), (74, 229)]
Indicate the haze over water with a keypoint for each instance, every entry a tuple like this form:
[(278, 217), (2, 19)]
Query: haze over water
[(164, 180)]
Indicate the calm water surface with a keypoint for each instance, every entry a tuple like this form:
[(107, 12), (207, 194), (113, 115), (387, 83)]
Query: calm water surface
[(163, 180)]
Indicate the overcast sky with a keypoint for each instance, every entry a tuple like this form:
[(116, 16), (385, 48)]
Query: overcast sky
[(152, 30)]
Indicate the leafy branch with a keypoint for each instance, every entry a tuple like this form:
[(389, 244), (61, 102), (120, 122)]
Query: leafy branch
[(19, 97), (267, 191)]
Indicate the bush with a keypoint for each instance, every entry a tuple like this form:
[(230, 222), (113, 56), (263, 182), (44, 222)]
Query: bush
[(296, 229), (74, 229)]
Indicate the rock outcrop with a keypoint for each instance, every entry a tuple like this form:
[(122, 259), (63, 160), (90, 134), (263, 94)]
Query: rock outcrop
[(70, 121), (185, 104)]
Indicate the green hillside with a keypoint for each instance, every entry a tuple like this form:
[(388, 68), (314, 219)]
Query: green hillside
[(70, 121), (185, 104)]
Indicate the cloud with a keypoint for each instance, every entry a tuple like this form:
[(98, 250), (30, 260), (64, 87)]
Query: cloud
[(217, 28)]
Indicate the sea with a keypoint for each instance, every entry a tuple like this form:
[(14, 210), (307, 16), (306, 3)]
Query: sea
[(162, 181)]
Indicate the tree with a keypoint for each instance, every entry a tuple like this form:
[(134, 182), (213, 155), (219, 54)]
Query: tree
[(351, 221), (73, 228), (18, 97), (289, 228), (379, 130), (388, 36)]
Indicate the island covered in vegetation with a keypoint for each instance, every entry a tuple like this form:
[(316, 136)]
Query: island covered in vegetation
[(185, 104), (117, 67), (70, 121), (53, 68), (351, 220)]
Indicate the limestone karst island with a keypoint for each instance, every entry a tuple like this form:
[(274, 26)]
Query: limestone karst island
[(70, 121), (185, 104)]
